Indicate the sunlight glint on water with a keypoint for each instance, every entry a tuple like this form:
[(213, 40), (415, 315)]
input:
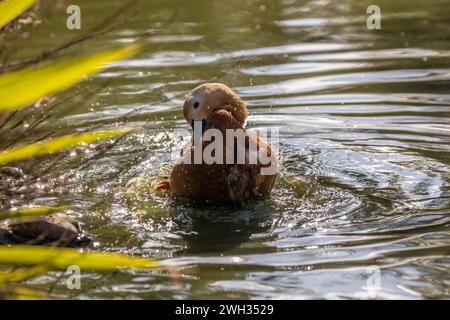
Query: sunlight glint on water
[(364, 118)]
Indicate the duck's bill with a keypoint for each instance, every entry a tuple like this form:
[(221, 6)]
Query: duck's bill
[(198, 124), (197, 129)]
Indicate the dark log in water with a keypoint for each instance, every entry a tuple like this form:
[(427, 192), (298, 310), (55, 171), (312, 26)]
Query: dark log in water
[(55, 230)]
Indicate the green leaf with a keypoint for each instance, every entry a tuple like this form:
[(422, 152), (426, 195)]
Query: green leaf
[(20, 293), (23, 87), (10, 9), (21, 274), (57, 144), (61, 258), (30, 212)]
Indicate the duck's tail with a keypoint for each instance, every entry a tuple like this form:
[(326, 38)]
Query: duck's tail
[(163, 186)]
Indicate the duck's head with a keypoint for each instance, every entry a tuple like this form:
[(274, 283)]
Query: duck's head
[(210, 97)]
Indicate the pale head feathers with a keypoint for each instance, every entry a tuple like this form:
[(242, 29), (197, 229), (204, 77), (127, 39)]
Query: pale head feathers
[(209, 97)]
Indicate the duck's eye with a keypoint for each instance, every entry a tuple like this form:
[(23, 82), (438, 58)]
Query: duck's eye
[(196, 105)]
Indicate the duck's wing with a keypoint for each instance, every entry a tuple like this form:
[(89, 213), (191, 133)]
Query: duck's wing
[(265, 171), (238, 175), (245, 179), (239, 183)]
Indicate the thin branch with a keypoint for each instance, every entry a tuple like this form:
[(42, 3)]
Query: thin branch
[(9, 117), (97, 30)]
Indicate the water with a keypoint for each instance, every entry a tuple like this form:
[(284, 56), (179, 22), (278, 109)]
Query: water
[(364, 144)]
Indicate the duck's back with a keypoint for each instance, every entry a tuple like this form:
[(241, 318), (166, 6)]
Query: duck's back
[(221, 183)]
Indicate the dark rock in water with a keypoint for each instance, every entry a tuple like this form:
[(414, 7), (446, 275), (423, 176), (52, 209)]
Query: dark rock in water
[(4, 234), (55, 230), (45, 229)]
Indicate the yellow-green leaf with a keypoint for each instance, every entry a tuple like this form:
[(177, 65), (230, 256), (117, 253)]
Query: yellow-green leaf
[(20, 293), (9, 276), (29, 212), (57, 144), (23, 87), (9, 9), (61, 258)]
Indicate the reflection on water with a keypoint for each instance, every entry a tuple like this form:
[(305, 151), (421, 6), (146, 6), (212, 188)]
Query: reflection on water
[(365, 150)]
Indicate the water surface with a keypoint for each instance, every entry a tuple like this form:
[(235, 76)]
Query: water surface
[(364, 122)]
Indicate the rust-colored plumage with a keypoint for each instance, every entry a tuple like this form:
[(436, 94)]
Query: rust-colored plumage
[(218, 107)]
